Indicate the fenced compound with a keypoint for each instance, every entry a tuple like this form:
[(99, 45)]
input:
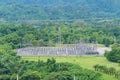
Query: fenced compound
[(80, 49)]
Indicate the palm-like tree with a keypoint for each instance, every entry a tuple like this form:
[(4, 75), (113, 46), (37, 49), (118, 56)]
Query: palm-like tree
[(96, 67), (112, 70)]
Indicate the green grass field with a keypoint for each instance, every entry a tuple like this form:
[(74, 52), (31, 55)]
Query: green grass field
[(86, 62)]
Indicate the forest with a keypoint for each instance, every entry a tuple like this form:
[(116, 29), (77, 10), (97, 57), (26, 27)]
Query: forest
[(12, 66), (14, 36), (25, 35), (18, 11), (54, 23)]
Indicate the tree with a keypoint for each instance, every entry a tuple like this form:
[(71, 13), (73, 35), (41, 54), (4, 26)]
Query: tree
[(28, 38), (112, 70), (35, 43), (113, 55), (117, 75), (96, 67), (51, 65), (107, 41), (31, 76), (59, 76), (41, 42), (12, 39), (115, 45)]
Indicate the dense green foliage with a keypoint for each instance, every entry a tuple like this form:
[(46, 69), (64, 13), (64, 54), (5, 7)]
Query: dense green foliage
[(17, 36), (54, 22), (107, 70), (12, 66), (31, 76), (15, 10), (25, 35), (114, 55)]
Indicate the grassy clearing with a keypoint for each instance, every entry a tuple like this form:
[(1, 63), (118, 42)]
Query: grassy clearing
[(86, 62)]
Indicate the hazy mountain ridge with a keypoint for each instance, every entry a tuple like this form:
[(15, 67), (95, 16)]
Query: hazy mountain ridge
[(58, 9)]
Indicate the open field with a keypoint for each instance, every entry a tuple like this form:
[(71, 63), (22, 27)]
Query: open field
[(86, 62)]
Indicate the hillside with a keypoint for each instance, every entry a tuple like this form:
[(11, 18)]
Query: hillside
[(59, 40), (87, 62), (15, 10)]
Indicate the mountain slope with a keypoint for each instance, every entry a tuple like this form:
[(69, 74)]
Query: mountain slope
[(58, 9)]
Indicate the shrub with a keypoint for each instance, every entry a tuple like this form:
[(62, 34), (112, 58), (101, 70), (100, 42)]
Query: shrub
[(113, 55), (31, 76)]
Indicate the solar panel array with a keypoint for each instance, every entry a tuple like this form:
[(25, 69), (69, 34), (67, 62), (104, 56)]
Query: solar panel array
[(80, 49)]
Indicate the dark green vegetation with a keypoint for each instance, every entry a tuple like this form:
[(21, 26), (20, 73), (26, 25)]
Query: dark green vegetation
[(13, 36), (26, 35), (15, 10), (104, 69), (12, 66), (114, 55), (85, 61), (54, 22)]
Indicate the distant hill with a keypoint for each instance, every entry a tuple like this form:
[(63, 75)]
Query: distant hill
[(14, 10)]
